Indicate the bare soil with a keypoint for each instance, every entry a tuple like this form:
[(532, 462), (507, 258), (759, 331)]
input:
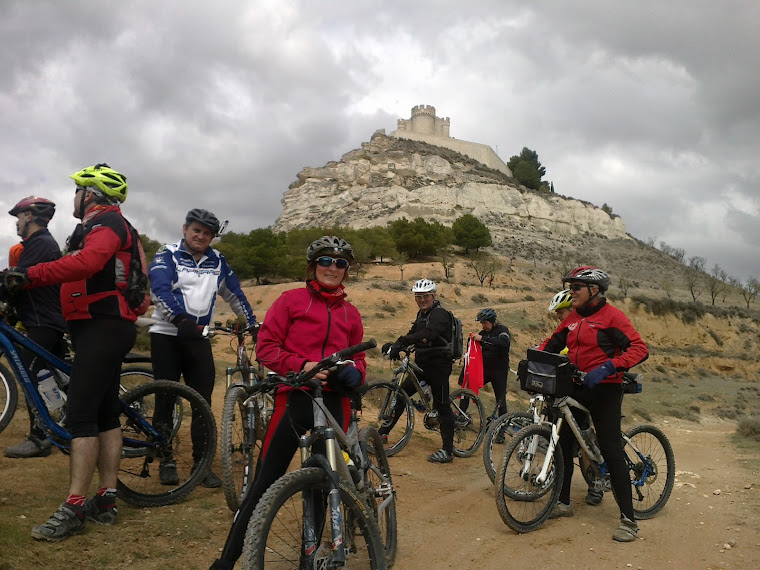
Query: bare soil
[(447, 513)]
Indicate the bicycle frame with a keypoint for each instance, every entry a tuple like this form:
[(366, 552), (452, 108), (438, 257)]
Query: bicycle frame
[(9, 339), (410, 369)]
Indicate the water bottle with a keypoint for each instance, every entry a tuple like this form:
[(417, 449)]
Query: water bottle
[(49, 391), (426, 388)]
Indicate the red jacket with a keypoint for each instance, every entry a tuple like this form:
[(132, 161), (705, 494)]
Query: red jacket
[(302, 326), (95, 271), (600, 334)]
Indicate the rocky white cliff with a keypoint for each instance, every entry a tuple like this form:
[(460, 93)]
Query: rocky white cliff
[(389, 178)]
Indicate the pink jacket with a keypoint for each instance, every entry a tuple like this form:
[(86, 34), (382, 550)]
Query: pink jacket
[(300, 326)]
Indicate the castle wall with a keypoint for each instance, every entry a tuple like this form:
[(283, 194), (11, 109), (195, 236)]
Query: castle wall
[(480, 152)]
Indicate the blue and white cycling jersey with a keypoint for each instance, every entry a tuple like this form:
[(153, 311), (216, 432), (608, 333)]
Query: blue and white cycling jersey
[(180, 285)]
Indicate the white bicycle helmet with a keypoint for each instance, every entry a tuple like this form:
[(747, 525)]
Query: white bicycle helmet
[(561, 300), (424, 286)]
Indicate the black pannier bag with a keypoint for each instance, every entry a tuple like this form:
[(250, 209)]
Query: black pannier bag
[(546, 373)]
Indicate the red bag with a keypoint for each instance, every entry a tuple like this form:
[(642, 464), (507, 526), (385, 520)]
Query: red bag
[(473, 366)]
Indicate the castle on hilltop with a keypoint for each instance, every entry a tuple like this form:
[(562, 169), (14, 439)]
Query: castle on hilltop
[(425, 126)]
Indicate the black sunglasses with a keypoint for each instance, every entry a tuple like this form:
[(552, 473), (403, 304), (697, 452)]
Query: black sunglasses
[(340, 263), (577, 286)]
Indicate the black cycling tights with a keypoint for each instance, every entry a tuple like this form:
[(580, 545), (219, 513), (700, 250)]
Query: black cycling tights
[(604, 401)]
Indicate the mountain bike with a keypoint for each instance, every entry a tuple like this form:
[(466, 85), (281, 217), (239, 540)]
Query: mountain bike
[(531, 473), (245, 417), (145, 441), (339, 509), (386, 404)]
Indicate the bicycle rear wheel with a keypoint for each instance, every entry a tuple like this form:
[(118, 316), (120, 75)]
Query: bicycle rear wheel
[(652, 467), (276, 531), (379, 492), (8, 396), (386, 407), (497, 438), (188, 427), (523, 503), (243, 430), (132, 376), (469, 422)]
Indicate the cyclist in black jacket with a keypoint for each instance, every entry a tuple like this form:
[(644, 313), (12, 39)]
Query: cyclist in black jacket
[(495, 341), (39, 310), (431, 336)]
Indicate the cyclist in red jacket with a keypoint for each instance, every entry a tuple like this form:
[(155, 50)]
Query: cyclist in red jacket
[(302, 327), (602, 342), (102, 328)]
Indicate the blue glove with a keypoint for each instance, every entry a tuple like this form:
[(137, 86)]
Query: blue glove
[(593, 377), (350, 378)]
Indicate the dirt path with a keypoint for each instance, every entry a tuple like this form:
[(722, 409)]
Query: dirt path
[(447, 517)]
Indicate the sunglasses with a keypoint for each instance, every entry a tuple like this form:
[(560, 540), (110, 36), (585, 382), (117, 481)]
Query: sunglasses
[(578, 286), (422, 296), (340, 263)]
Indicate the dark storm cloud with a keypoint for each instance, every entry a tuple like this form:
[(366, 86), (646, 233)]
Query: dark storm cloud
[(647, 106)]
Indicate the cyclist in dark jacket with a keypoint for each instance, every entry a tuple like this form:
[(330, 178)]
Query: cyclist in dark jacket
[(602, 342), (431, 336), (495, 341), (38, 310)]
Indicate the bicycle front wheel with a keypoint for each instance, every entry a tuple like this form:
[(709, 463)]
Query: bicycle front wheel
[(498, 435), (386, 407), (291, 527), (243, 429), (523, 501), (8, 396), (379, 492), (652, 468), (469, 422), (188, 430)]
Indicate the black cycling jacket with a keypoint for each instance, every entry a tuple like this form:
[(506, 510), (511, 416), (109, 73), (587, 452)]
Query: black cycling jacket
[(41, 306)]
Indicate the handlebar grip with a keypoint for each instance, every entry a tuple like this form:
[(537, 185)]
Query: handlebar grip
[(351, 350)]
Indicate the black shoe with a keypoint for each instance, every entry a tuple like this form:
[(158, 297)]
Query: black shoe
[(101, 509), (167, 473), (210, 481)]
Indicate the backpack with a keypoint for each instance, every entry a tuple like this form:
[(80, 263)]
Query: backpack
[(457, 339), (136, 291)]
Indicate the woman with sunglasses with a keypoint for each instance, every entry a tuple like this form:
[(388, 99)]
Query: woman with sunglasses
[(302, 327), (602, 342)]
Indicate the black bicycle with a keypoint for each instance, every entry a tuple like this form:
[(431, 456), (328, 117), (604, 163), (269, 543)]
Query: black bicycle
[(390, 409)]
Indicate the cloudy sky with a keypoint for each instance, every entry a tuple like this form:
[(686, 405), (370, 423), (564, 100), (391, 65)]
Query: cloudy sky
[(651, 107)]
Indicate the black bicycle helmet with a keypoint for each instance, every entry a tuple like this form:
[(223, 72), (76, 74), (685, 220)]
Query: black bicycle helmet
[(590, 276), (203, 217), (42, 208), (330, 245), (487, 314)]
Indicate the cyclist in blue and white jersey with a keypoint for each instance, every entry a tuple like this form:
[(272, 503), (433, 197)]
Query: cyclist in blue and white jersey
[(185, 278)]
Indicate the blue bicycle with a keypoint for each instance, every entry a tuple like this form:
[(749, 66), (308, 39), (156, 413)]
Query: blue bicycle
[(155, 423)]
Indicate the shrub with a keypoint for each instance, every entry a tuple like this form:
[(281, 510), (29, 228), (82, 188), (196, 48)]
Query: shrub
[(643, 413), (749, 427), (388, 308), (715, 337), (480, 299), (705, 397)]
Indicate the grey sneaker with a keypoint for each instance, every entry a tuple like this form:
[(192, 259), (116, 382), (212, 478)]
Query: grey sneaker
[(62, 524), (167, 473), (561, 510), (594, 496), (626, 531), (101, 509), (30, 447)]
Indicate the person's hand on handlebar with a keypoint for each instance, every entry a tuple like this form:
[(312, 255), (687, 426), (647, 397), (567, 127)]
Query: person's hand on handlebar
[(321, 375)]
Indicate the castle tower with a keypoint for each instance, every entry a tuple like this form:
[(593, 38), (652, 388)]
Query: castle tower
[(425, 126)]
